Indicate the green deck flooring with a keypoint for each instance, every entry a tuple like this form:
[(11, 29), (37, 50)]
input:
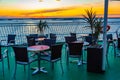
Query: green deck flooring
[(73, 72)]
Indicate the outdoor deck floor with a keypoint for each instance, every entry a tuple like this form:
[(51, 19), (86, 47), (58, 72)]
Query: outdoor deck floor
[(73, 72)]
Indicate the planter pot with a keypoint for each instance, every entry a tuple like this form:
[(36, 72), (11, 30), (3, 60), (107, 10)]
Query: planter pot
[(94, 58)]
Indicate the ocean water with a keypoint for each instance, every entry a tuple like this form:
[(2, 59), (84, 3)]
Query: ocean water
[(60, 26), (113, 22)]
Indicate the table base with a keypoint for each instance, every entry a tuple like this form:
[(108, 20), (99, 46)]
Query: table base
[(37, 70)]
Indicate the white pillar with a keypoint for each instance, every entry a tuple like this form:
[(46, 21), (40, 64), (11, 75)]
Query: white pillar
[(104, 34)]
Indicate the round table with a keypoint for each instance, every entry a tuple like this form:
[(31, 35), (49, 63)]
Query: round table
[(38, 49), (39, 39), (84, 42)]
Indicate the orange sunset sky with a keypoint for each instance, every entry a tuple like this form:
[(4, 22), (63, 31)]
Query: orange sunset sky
[(54, 8)]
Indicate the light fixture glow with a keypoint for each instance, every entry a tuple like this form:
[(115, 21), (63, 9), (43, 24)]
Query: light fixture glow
[(57, 0), (42, 0)]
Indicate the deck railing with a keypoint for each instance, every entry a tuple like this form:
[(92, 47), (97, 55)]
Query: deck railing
[(60, 28)]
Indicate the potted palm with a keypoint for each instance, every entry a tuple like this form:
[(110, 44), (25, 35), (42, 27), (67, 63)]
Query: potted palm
[(94, 22), (42, 25), (94, 51), (97, 28)]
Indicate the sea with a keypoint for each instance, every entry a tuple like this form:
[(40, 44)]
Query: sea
[(60, 26)]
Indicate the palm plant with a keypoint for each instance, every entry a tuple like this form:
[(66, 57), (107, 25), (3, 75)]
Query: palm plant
[(42, 26), (90, 18), (97, 27), (94, 22)]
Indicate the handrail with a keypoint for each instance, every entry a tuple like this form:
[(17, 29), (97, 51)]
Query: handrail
[(61, 29)]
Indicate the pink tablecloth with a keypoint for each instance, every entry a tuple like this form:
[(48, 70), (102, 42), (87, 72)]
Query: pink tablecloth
[(38, 48)]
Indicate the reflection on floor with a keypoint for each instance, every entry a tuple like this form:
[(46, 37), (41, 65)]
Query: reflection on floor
[(73, 72)]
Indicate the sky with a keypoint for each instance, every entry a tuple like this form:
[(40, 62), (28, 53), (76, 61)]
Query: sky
[(55, 8)]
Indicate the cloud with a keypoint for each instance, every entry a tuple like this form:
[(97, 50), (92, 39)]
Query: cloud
[(47, 11)]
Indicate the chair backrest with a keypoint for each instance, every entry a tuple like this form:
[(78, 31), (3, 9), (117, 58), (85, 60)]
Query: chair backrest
[(49, 42), (21, 53), (109, 37), (75, 48), (30, 40), (43, 36), (56, 51), (11, 38), (69, 39), (34, 35), (73, 34), (88, 39), (90, 34), (52, 35)]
